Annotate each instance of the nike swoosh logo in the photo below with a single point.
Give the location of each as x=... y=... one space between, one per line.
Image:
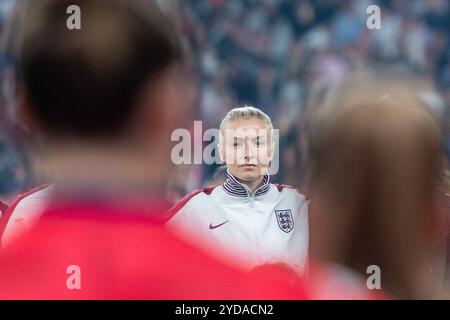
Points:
x=211 y=227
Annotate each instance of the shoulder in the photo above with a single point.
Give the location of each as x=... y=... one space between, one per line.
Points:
x=291 y=190
x=31 y=198
x=194 y=198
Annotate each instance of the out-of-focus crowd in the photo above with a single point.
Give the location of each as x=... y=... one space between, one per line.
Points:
x=14 y=168
x=283 y=55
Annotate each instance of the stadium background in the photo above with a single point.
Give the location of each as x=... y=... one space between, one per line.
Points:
x=279 y=55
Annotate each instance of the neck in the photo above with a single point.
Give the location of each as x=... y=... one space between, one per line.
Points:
x=105 y=169
x=253 y=185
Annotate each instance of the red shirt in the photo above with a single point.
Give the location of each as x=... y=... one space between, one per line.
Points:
x=121 y=254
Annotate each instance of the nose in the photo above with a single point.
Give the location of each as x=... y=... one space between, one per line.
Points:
x=249 y=152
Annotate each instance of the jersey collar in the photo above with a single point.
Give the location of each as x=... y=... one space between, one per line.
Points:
x=233 y=187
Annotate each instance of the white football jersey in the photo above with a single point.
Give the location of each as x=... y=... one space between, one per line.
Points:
x=25 y=211
x=230 y=221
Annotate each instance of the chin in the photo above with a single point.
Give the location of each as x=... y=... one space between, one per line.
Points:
x=250 y=176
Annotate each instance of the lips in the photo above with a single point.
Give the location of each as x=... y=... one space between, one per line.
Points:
x=248 y=166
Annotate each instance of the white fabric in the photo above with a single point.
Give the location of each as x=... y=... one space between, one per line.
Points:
x=26 y=213
x=252 y=236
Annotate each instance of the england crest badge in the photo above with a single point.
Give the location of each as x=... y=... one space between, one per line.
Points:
x=285 y=220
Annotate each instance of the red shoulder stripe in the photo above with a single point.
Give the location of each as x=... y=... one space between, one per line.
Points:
x=281 y=186
x=7 y=214
x=183 y=201
x=3 y=208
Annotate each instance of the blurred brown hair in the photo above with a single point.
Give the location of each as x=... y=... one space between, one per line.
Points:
x=375 y=159
x=84 y=83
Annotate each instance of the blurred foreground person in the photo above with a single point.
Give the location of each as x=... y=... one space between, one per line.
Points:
x=105 y=99
x=374 y=215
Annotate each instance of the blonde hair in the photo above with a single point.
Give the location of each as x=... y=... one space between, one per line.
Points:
x=245 y=112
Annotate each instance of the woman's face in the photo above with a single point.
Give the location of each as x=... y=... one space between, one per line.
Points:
x=247 y=148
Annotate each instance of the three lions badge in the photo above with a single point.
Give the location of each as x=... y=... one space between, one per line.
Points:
x=285 y=220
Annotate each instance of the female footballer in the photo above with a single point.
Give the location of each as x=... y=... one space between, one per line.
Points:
x=247 y=219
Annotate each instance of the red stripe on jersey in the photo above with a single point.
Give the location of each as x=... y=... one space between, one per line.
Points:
x=281 y=186
x=8 y=213
x=3 y=208
x=183 y=201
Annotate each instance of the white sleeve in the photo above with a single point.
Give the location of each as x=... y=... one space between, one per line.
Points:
x=26 y=213
x=186 y=224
